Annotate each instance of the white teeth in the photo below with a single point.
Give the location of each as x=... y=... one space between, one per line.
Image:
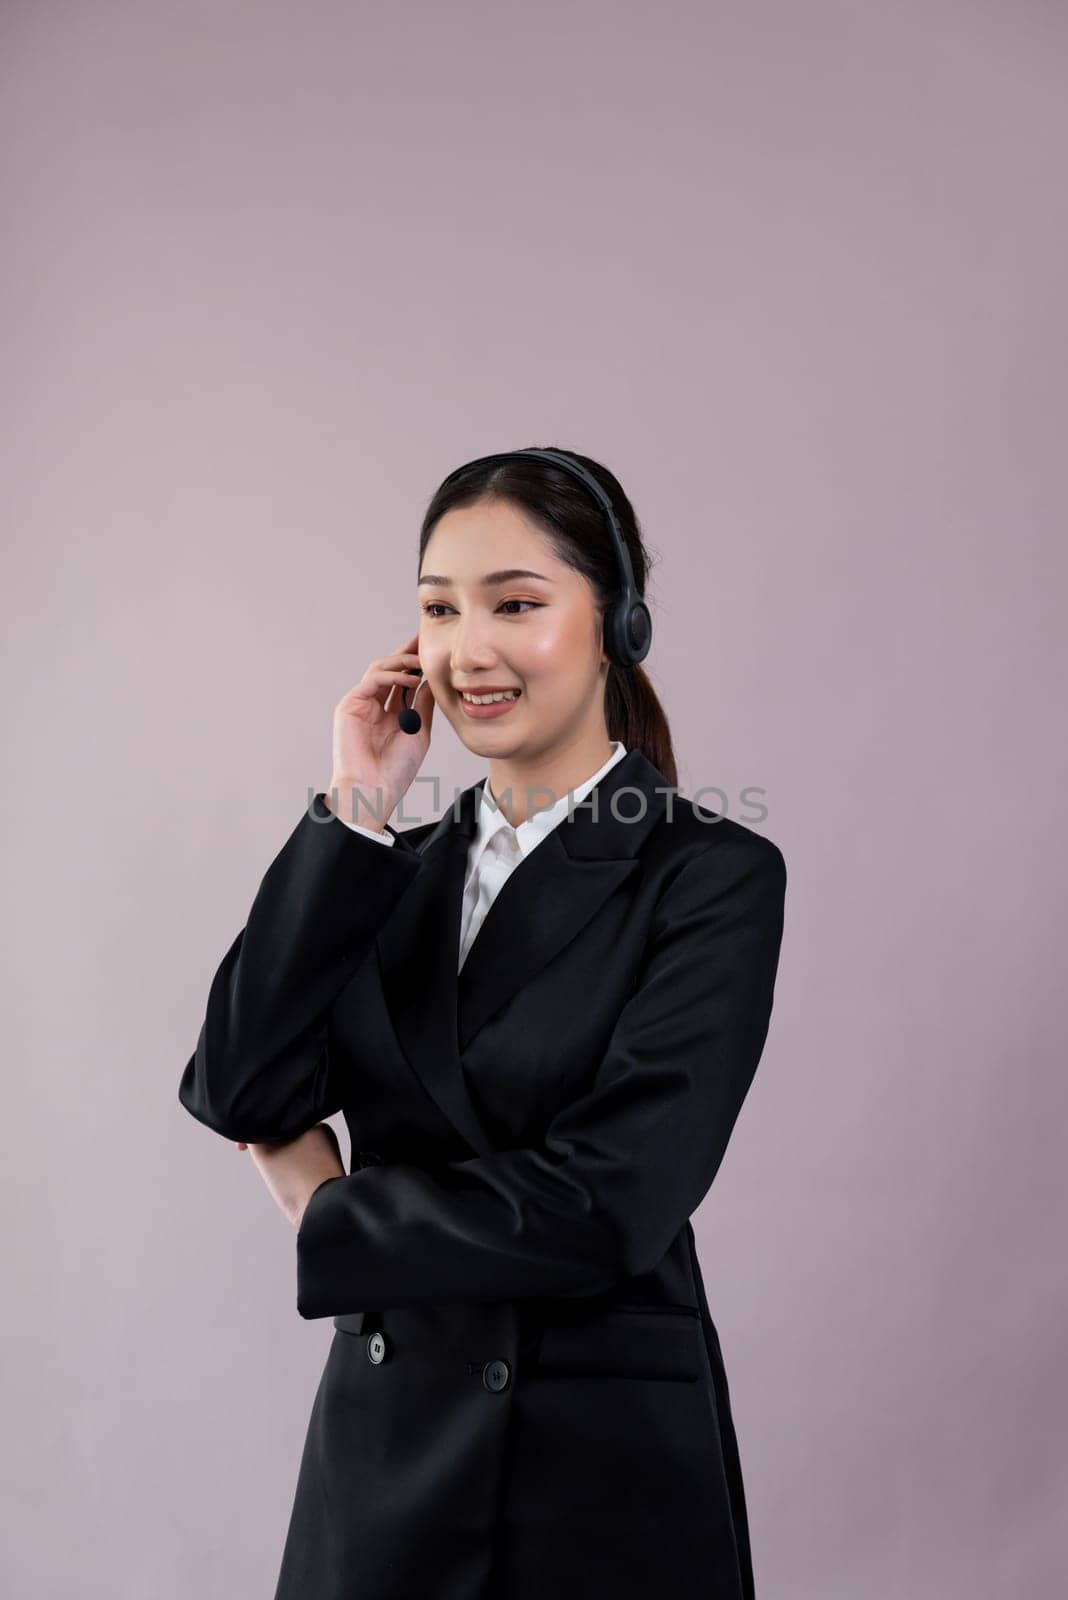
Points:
x=491 y=699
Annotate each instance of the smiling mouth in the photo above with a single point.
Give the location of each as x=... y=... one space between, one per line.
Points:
x=490 y=696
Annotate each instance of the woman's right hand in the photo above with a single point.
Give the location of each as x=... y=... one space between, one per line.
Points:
x=372 y=753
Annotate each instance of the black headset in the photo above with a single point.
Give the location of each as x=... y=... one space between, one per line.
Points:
x=628 y=625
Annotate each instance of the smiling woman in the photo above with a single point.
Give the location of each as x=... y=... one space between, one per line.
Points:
x=540 y=1015
x=535 y=629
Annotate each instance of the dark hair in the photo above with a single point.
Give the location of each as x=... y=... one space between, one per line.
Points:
x=575 y=525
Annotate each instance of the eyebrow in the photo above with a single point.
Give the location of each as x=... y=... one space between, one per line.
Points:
x=490 y=581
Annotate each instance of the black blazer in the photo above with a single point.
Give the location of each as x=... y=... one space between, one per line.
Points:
x=524 y=1396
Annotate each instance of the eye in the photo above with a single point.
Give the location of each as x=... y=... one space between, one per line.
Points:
x=433 y=607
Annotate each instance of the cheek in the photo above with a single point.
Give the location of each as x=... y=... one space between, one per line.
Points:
x=561 y=651
x=555 y=645
x=433 y=659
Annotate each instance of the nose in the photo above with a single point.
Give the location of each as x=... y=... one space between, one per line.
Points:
x=471 y=652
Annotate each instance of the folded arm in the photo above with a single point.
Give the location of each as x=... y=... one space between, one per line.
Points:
x=621 y=1169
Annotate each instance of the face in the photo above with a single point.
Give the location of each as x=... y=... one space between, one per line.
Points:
x=539 y=633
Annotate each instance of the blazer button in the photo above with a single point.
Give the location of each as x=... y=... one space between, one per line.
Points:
x=495 y=1375
x=376 y=1348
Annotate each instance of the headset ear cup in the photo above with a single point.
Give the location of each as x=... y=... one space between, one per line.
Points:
x=628 y=631
x=640 y=631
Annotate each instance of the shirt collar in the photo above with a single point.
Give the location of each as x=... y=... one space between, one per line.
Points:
x=491 y=819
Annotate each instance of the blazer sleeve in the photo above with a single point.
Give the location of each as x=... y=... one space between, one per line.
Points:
x=621 y=1169
x=261 y=1068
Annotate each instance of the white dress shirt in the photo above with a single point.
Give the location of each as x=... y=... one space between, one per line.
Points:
x=496 y=848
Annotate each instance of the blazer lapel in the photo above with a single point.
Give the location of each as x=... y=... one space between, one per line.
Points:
x=417 y=951
x=544 y=903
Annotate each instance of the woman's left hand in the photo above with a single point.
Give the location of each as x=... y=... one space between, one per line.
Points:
x=294 y=1168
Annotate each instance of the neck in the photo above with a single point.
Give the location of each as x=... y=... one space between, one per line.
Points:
x=538 y=781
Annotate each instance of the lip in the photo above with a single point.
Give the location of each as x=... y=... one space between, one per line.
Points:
x=484 y=688
x=484 y=713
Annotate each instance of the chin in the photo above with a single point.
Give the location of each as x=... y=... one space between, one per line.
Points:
x=490 y=743
x=482 y=744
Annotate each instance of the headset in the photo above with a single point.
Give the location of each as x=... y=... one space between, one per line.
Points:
x=628 y=624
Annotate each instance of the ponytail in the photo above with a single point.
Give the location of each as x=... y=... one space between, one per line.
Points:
x=635 y=717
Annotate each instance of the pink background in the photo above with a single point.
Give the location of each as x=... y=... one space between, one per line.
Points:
x=795 y=271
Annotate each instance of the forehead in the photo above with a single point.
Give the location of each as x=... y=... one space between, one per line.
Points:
x=472 y=541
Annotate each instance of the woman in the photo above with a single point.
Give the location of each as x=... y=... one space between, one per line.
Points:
x=524 y=1396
